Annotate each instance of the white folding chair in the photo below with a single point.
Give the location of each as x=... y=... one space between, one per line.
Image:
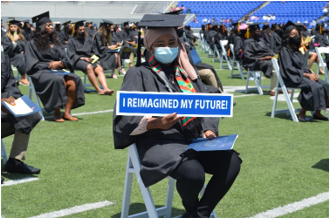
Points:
x=33 y=93
x=322 y=64
x=133 y=167
x=237 y=63
x=257 y=77
x=281 y=86
x=3 y=152
x=223 y=55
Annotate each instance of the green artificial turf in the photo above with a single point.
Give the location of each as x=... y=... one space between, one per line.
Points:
x=283 y=161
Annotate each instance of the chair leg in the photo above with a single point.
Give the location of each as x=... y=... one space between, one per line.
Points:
x=33 y=93
x=240 y=70
x=126 y=195
x=247 y=82
x=4 y=152
x=275 y=100
x=258 y=83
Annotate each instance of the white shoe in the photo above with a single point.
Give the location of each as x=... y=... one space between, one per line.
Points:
x=122 y=71
x=114 y=76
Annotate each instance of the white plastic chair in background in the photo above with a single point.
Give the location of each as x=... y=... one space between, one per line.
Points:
x=237 y=63
x=281 y=86
x=257 y=77
x=223 y=55
x=322 y=64
x=133 y=167
x=32 y=93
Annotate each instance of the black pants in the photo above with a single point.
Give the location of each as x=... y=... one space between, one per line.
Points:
x=190 y=176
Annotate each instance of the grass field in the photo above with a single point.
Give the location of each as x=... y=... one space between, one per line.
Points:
x=283 y=162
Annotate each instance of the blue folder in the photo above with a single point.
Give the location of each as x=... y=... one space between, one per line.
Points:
x=195 y=57
x=29 y=102
x=220 y=143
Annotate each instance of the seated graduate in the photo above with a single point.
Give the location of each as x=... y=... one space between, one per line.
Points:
x=272 y=39
x=45 y=61
x=21 y=127
x=90 y=29
x=102 y=41
x=238 y=41
x=14 y=45
x=57 y=28
x=117 y=43
x=314 y=95
x=66 y=33
x=129 y=42
x=80 y=49
x=162 y=141
x=27 y=30
x=257 y=55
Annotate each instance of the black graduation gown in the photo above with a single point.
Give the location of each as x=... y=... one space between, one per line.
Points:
x=16 y=57
x=24 y=124
x=127 y=36
x=292 y=67
x=160 y=150
x=64 y=37
x=77 y=48
x=107 y=59
x=319 y=38
x=91 y=32
x=252 y=51
x=273 y=40
x=27 y=33
x=237 y=47
x=49 y=86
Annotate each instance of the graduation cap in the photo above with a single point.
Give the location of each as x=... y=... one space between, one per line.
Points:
x=319 y=27
x=66 y=22
x=289 y=26
x=162 y=21
x=41 y=19
x=57 y=23
x=26 y=21
x=78 y=24
x=266 y=25
x=126 y=23
x=174 y=12
x=14 y=22
x=106 y=23
x=253 y=26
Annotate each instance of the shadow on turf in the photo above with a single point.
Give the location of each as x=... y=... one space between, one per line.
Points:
x=322 y=165
x=13 y=176
x=140 y=207
x=284 y=116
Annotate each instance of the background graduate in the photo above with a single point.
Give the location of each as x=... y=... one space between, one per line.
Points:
x=80 y=49
x=66 y=33
x=45 y=55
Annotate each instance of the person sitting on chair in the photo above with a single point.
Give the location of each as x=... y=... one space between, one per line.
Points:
x=314 y=95
x=80 y=49
x=21 y=127
x=162 y=141
x=45 y=61
x=257 y=56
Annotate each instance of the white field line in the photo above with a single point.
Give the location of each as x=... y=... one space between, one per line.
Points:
x=277 y=212
x=88 y=113
x=74 y=210
x=19 y=181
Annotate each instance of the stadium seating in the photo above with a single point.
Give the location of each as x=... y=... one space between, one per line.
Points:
x=289 y=10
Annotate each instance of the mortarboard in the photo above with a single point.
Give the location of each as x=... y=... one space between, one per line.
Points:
x=253 y=26
x=66 y=22
x=174 y=12
x=106 y=23
x=289 y=26
x=266 y=25
x=78 y=24
x=41 y=19
x=57 y=23
x=14 y=22
x=26 y=21
x=126 y=23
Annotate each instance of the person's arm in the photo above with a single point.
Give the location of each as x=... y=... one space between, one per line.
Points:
x=34 y=60
x=287 y=70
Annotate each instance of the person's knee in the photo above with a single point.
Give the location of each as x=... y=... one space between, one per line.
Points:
x=89 y=68
x=235 y=164
x=191 y=171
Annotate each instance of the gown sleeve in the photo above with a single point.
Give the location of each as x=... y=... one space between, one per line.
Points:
x=34 y=59
x=71 y=52
x=287 y=70
x=123 y=126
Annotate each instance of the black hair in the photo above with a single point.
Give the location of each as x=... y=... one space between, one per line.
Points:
x=285 y=39
x=41 y=38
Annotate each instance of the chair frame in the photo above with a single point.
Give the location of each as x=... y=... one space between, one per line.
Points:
x=257 y=75
x=4 y=152
x=234 y=61
x=320 y=51
x=133 y=168
x=281 y=86
x=33 y=93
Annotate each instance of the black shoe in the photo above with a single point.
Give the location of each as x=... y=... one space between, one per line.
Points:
x=2 y=179
x=15 y=166
x=320 y=118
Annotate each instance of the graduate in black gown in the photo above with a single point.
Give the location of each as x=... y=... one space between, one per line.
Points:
x=162 y=141
x=238 y=41
x=66 y=33
x=320 y=41
x=80 y=49
x=45 y=61
x=314 y=95
x=14 y=45
x=57 y=28
x=90 y=29
x=21 y=127
x=116 y=42
x=102 y=40
x=129 y=42
x=272 y=39
x=27 y=30
x=257 y=55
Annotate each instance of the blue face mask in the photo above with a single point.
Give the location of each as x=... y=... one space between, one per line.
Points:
x=166 y=55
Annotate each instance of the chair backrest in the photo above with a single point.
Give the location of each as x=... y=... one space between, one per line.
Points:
x=277 y=71
x=222 y=45
x=232 y=51
x=320 y=51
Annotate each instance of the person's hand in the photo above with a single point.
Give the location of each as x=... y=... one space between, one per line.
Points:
x=118 y=44
x=16 y=38
x=313 y=77
x=87 y=59
x=54 y=65
x=265 y=58
x=209 y=134
x=112 y=47
x=22 y=52
x=164 y=122
x=133 y=43
x=10 y=100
